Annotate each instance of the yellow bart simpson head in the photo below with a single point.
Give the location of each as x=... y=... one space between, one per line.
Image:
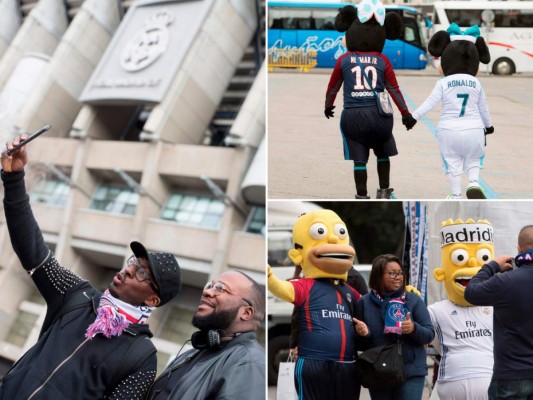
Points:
x=466 y=247
x=321 y=245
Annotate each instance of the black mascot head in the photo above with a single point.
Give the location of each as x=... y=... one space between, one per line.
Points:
x=460 y=52
x=368 y=26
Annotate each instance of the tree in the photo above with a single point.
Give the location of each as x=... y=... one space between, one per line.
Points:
x=375 y=227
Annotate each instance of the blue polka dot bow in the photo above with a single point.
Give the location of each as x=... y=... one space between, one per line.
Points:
x=368 y=8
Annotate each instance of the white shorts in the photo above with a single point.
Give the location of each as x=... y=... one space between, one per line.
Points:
x=461 y=150
x=464 y=389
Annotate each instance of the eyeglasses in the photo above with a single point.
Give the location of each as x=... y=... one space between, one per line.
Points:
x=141 y=274
x=220 y=287
x=395 y=275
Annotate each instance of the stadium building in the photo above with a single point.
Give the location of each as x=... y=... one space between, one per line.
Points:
x=157 y=110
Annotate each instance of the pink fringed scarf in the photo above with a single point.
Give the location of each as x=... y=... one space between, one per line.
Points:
x=115 y=315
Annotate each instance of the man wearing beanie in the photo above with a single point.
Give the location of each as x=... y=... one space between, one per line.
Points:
x=92 y=345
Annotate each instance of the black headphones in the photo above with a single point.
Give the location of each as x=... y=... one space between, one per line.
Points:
x=209 y=339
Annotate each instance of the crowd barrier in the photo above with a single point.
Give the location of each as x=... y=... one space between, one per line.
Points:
x=302 y=59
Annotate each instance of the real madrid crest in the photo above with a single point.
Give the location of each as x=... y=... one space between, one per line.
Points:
x=148 y=45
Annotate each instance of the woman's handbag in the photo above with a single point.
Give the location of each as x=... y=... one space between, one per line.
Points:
x=382 y=98
x=381 y=367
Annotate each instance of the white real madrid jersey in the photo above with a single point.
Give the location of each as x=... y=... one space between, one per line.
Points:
x=464 y=105
x=466 y=338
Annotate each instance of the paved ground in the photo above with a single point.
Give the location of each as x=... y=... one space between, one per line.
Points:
x=305 y=159
x=364 y=394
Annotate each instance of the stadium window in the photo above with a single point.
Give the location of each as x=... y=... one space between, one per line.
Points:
x=195 y=210
x=256 y=221
x=114 y=199
x=50 y=191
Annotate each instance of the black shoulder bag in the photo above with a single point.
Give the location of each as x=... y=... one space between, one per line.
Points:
x=381 y=367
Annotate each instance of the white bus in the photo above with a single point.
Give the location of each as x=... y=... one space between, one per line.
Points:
x=506 y=26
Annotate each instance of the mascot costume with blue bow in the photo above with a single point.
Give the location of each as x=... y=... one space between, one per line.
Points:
x=365 y=74
x=464 y=119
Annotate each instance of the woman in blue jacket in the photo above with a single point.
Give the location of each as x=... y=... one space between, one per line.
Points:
x=388 y=313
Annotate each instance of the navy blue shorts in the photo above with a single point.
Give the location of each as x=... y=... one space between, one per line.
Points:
x=363 y=129
x=317 y=379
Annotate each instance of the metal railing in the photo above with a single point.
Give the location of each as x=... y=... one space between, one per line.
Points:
x=302 y=59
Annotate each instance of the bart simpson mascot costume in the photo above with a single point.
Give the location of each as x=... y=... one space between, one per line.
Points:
x=326 y=348
x=464 y=331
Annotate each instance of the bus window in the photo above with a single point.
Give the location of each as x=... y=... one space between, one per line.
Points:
x=303 y=23
x=325 y=24
x=279 y=243
x=436 y=19
x=409 y=34
x=513 y=19
x=464 y=18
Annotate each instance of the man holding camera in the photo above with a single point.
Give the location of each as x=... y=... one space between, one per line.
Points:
x=509 y=292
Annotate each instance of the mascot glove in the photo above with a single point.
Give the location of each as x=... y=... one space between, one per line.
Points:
x=489 y=130
x=328 y=112
x=412 y=289
x=409 y=121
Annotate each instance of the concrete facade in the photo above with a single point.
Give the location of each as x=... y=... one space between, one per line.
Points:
x=155 y=149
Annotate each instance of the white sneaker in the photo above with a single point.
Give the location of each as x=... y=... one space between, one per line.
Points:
x=454 y=197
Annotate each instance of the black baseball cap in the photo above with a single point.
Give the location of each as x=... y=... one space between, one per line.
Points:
x=165 y=269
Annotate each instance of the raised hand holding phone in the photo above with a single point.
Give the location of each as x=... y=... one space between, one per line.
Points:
x=14 y=158
x=27 y=140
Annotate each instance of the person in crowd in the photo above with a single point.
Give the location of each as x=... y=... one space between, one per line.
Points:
x=508 y=291
x=226 y=361
x=389 y=313
x=465 y=332
x=92 y=345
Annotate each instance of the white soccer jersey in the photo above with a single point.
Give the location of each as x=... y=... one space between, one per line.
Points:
x=464 y=105
x=466 y=336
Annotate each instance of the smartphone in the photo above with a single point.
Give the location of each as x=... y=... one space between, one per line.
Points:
x=26 y=141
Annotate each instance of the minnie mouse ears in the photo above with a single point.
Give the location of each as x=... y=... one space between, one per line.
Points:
x=440 y=40
x=368 y=10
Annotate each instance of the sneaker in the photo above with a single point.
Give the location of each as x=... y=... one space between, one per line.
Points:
x=454 y=197
x=361 y=197
x=475 y=192
x=385 y=194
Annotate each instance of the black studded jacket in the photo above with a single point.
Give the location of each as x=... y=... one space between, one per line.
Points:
x=63 y=364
